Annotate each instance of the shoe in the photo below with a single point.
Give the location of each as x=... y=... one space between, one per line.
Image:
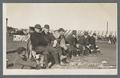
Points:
x=56 y=66
x=38 y=67
x=63 y=64
x=63 y=57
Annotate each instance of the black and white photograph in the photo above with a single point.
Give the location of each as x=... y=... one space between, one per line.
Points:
x=60 y=39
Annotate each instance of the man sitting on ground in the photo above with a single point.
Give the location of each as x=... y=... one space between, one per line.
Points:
x=21 y=61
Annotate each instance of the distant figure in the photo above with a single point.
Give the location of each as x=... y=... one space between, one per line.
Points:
x=110 y=39
x=85 y=41
x=93 y=47
x=72 y=41
x=93 y=40
x=114 y=39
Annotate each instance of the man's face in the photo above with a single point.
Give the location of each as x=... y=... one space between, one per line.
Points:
x=62 y=32
x=46 y=30
x=31 y=31
x=37 y=30
x=95 y=36
x=85 y=36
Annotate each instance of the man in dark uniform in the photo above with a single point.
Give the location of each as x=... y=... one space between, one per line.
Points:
x=93 y=47
x=37 y=38
x=53 y=54
x=72 y=40
x=39 y=43
x=93 y=40
x=60 y=45
x=80 y=44
x=85 y=41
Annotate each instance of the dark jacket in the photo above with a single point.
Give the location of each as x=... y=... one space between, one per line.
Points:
x=38 y=39
x=92 y=40
x=48 y=37
x=84 y=41
x=71 y=40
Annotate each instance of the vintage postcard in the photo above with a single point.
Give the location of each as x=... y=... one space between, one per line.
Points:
x=60 y=39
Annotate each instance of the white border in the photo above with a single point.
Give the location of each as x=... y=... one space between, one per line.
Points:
x=51 y=71
x=62 y=72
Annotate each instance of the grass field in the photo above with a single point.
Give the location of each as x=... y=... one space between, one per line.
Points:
x=108 y=54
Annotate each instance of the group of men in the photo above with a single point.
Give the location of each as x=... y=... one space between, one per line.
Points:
x=55 y=49
x=46 y=44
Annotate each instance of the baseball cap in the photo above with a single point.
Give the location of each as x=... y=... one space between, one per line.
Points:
x=46 y=26
x=38 y=26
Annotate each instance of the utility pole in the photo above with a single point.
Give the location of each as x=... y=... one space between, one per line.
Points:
x=107 y=28
x=6 y=22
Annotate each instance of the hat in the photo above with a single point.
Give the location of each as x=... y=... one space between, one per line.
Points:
x=94 y=34
x=31 y=28
x=74 y=32
x=61 y=29
x=46 y=26
x=38 y=26
x=85 y=33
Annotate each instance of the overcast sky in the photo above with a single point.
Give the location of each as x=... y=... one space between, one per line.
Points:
x=80 y=16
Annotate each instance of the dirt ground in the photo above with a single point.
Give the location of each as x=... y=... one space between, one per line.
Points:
x=107 y=58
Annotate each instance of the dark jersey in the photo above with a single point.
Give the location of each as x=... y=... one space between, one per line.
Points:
x=38 y=39
x=48 y=37
x=84 y=41
x=92 y=40
x=71 y=40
